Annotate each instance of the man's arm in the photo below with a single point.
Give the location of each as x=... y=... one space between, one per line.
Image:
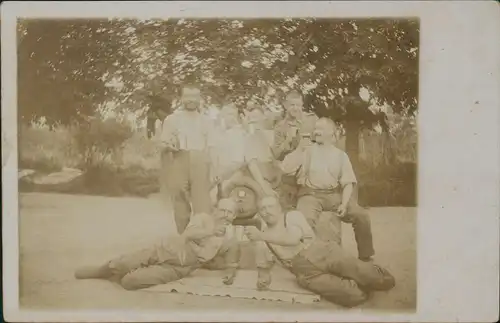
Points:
x=198 y=228
x=251 y=158
x=168 y=129
x=292 y=236
x=292 y=162
x=168 y=136
x=281 y=145
x=347 y=179
x=254 y=169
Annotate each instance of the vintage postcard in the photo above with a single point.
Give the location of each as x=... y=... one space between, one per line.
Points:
x=250 y=161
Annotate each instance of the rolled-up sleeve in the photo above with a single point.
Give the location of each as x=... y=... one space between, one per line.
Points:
x=347 y=175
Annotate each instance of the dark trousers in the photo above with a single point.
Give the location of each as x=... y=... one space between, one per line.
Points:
x=312 y=203
x=164 y=263
x=187 y=180
x=326 y=269
x=152 y=266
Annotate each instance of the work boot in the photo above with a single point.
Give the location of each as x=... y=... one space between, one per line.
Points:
x=384 y=282
x=93 y=272
x=263 y=278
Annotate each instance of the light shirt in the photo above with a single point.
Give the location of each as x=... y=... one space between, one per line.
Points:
x=207 y=248
x=259 y=146
x=229 y=149
x=294 y=222
x=192 y=130
x=320 y=167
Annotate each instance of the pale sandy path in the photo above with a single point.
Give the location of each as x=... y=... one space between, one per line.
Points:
x=61 y=232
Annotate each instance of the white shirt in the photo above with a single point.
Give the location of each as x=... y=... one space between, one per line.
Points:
x=192 y=130
x=320 y=167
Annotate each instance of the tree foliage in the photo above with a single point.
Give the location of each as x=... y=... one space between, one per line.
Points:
x=69 y=68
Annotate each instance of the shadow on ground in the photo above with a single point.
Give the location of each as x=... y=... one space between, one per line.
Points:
x=61 y=232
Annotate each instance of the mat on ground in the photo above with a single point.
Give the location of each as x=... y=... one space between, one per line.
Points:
x=205 y=282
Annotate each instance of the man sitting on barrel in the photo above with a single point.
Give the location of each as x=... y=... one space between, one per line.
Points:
x=326 y=179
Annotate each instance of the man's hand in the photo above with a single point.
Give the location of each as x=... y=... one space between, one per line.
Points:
x=342 y=210
x=253 y=234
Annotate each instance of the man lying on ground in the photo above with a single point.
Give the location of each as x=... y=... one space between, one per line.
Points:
x=322 y=267
x=205 y=239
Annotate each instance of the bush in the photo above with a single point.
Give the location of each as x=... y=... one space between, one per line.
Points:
x=100 y=142
x=47 y=150
x=388 y=184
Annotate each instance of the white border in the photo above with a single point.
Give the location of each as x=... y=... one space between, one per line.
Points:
x=458 y=166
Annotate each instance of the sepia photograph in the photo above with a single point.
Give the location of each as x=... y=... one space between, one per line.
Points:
x=215 y=163
x=237 y=126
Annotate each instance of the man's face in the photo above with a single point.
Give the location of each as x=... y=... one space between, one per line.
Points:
x=324 y=132
x=294 y=106
x=270 y=210
x=226 y=211
x=191 y=98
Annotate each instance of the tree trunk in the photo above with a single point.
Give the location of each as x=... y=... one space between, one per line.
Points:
x=352 y=128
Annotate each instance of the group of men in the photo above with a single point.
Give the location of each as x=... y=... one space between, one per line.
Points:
x=299 y=153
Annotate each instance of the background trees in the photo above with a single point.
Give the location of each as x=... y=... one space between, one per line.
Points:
x=69 y=69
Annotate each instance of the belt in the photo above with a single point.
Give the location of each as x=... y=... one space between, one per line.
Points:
x=303 y=190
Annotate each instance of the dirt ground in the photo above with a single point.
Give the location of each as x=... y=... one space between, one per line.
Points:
x=61 y=232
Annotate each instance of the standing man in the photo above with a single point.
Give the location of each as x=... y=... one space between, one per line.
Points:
x=228 y=155
x=259 y=156
x=229 y=151
x=296 y=126
x=325 y=178
x=319 y=266
x=187 y=136
x=208 y=238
